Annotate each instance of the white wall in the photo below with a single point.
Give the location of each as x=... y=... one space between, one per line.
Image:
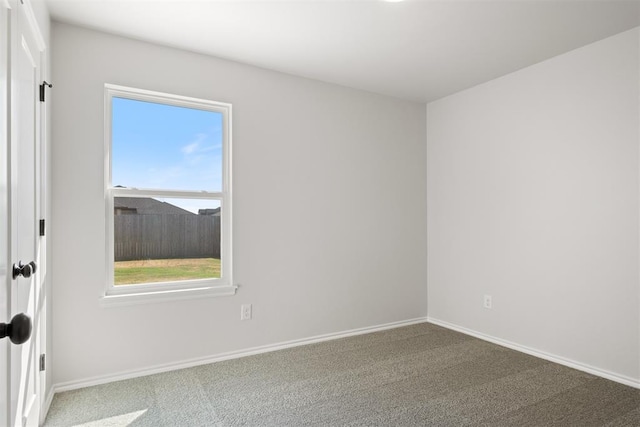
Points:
x=532 y=184
x=329 y=209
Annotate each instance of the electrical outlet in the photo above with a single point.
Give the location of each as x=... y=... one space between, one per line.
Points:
x=245 y=312
x=487 y=301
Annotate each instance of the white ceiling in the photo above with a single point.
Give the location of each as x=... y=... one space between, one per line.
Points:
x=417 y=49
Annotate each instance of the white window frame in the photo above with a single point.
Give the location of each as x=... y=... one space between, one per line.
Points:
x=127 y=294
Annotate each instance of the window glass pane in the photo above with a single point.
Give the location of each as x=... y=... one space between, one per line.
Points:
x=160 y=146
x=165 y=239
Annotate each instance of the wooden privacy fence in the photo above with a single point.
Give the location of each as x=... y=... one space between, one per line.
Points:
x=157 y=236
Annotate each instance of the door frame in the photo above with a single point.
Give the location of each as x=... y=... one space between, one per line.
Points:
x=5 y=297
x=9 y=15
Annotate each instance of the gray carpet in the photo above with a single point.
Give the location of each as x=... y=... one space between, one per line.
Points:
x=420 y=375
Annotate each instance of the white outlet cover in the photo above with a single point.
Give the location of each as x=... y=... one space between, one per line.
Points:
x=245 y=312
x=487 y=301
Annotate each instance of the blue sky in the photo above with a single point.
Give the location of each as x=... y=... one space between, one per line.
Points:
x=166 y=147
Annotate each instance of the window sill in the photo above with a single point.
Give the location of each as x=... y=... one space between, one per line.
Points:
x=123 y=299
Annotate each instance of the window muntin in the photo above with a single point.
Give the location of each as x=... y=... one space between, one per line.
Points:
x=168 y=195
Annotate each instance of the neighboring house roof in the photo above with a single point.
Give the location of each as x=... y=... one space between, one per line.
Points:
x=209 y=211
x=148 y=206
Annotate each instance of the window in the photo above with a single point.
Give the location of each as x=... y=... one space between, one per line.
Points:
x=168 y=195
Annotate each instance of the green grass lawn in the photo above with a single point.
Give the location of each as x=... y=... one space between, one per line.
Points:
x=165 y=270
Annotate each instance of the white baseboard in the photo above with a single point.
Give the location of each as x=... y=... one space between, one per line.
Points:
x=88 y=382
x=46 y=405
x=541 y=354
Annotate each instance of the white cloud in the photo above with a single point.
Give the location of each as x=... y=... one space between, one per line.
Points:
x=193 y=146
x=188 y=149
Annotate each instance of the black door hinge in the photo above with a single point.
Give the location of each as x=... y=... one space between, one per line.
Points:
x=42 y=227
x=43 y=362
x=42 y=88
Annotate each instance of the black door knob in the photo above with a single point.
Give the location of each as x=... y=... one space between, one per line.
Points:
x=18 y=330
x=24 y=270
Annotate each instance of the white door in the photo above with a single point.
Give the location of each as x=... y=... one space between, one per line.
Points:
x=24 y=205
